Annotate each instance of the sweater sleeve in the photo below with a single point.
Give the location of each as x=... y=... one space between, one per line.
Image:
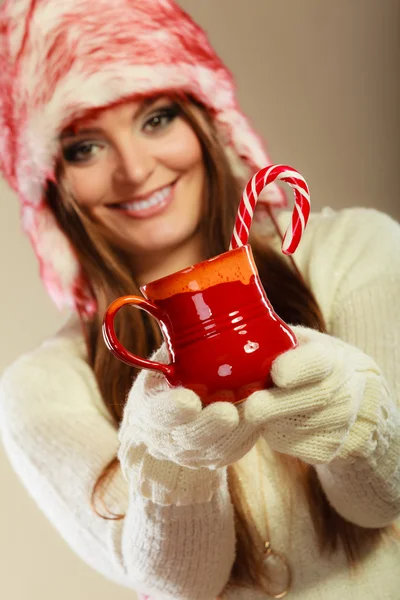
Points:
x=365 y=312
x=59 y=439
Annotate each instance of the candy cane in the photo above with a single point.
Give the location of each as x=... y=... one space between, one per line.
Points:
x=249 y=199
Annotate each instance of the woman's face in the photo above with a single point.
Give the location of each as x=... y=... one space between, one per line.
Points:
x=138 y=169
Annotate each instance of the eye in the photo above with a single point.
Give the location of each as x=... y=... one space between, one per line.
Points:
x=81 y=152
x=160 y=119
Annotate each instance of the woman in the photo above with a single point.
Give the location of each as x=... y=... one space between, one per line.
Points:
x=122 y=137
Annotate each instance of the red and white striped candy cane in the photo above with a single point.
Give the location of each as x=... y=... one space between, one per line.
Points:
x=249 y=199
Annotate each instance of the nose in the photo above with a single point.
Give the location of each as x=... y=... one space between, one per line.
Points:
x=135 y=163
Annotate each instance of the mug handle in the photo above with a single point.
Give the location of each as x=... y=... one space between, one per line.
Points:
x=115 y=346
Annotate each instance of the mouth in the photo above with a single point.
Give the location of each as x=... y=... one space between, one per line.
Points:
x=149 y=206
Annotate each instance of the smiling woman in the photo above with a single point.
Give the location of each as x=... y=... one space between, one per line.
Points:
x=129 y=159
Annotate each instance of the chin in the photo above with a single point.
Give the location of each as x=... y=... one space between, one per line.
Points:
x=149 y=246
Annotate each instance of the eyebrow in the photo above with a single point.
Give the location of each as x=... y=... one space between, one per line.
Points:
x=69 y=132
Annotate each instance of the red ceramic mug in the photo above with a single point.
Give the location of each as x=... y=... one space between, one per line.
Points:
x=220 y=329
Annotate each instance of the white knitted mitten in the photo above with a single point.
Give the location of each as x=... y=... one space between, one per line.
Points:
x=172 y=449
x=329 y=401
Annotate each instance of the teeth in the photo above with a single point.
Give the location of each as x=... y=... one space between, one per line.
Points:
x=156 y=198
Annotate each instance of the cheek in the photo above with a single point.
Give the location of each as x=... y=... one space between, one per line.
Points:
x=89 y=186
x=182 y=150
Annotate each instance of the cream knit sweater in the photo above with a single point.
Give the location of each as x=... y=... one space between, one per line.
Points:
x=59 y=437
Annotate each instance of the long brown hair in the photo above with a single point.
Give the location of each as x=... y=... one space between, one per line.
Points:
x=109 y=273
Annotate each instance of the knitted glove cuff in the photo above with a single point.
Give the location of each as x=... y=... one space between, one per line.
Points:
x=165 y=482
x=377 y=426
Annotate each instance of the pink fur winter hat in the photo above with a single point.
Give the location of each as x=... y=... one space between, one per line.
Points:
x=61 y=58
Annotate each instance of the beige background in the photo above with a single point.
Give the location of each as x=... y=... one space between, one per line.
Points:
x=319 y=80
